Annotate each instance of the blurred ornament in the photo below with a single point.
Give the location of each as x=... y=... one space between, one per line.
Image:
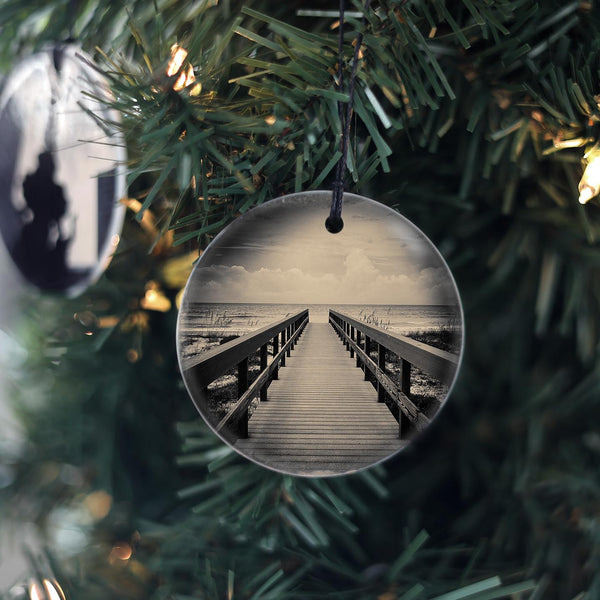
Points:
x=61 y=170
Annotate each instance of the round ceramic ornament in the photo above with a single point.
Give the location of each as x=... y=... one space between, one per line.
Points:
x=317 y=354
x=61 y=170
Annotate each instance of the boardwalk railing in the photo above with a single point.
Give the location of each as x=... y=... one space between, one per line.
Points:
x=361 y=339
x=282 y=335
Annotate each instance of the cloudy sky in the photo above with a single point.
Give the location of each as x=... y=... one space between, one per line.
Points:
x=282 y=253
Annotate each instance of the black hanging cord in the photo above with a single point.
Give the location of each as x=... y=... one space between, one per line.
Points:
x=334 y=222
x=73 y=8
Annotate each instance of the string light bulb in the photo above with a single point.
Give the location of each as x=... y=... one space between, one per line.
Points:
x=186 y=76
x=589 y=186
x=51 y=591
x=154 y=299
x=35 y=593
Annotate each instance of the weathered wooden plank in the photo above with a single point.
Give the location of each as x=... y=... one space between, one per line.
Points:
x=313 y=427
x=300 y=443
x=337 y=435
x=304 y=413
x=307 y=452
x=303 y=466
x=321 y=417
x=406 y=406
x=238 y=411
x=329 y=419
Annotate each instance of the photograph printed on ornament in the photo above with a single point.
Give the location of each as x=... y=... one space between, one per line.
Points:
x=317 y=354
x=62 y=172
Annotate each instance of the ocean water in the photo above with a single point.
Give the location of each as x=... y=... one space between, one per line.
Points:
x=202 y=324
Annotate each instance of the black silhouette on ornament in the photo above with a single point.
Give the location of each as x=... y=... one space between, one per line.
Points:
x=41 y=249
x=60 y=218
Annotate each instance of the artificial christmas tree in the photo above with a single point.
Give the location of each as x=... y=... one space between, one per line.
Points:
x=470 y=117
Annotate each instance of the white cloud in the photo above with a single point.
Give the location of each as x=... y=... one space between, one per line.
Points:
x=358 y=282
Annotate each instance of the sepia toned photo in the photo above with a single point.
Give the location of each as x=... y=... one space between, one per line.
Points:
x=314 y=353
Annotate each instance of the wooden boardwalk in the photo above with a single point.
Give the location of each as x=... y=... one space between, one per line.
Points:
x=321 y=416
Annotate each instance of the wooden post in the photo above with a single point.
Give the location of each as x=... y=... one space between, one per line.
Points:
x=368 y=353
x=242 y=426
x=242 y=377
x=352 y=338
x=275 y=351
x=282 y=345
x=263 y=366
x=381 y=365
x=405 y=377
x=403 y=421
x=358 y=344
x=289 y=335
